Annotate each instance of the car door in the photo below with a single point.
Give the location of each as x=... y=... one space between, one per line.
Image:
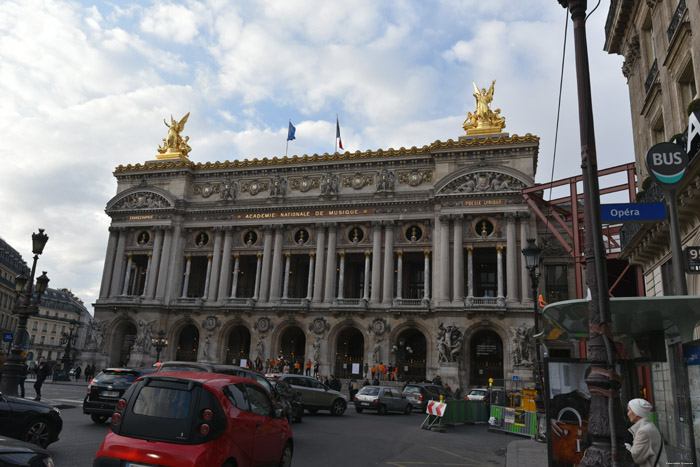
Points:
x=300 y=384
x=320 y=396
x=397 y=400
x=269 y=437
x=243 y=428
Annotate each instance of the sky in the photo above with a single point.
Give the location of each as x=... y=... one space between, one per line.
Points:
x=85 y=86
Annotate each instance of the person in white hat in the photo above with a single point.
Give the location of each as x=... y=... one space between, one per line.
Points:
x=648 y=448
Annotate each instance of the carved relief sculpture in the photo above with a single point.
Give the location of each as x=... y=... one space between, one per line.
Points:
x=385 y=180
x=523 y=350
x=278 y=187
x=378 y=327
x=319 y=326
x=228 y=190
x=144 y=334
x=96 y=338
x=377 y=350
x=142 y=200
x=316 y=348
x=449 y=343
x=329 y=185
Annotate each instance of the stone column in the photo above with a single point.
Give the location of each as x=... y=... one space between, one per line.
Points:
x=426 y=276
x=329 y=294
x=524 y=273
x=388 y=281
x=444 y=259
x=225 y=265
x=320 y=258
x=215 y=266
x=153 y=264
x=125 y=289
x=175 y=264
x=109 y=262
x=207 y=281
x=148 y=272
x=236 y=266
x=341 y=278
x=511 y=259
x=119 y=260
x=266 y=265
x=499 y=269
x=163 y=264
x=275 y=284
x=186 y=282
x=458 y=261
x=310 y=282
x=376 y=265
x=366 y=283
x=470 y=270
x=399 y=275
x=287 y=264
x=258 y=270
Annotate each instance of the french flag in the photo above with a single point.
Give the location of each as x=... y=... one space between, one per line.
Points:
x=337 y=133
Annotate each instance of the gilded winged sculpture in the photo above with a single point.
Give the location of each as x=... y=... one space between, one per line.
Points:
x=484 y=120
x=174 y=143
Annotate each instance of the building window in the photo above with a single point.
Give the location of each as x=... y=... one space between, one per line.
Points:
x=686 y=87
x=49 y=357
x=52 y=340
x=53 y=329
x=556 y=282
x=32 y=338
x=35 y=326
x=649 y=48
x=43 y=339
x=657 y=131
x=45 y=327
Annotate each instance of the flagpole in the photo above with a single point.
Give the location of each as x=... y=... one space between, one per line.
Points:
x=286 y=149
x=336 y=134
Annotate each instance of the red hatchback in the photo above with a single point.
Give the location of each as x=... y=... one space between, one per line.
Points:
x=196 y=419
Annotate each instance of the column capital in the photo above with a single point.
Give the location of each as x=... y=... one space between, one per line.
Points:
x=129 y=256
x=287 y=255
x=445 y=218
x=456 y=217
x=510 y=217
x=321 y=226
x=278 y=226
x=368 y=253
x=426 y=254
x=259 y=255
x=188 y=258
x=268 y=228
x=399 y=253
x=470 y=250
x=388 y=223
x=209 y=258
x=312 y=254
x=499 y=249
x=150 y=255
x=376 y=225
x=237 y=256
x=218 y=229
x=524 y=215
x=332 y=226
x=341 y=254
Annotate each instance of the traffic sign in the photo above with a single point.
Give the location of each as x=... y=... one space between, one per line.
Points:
x=692 y=259
x=515 y=377
x=667 y=163
x=436 y=408
x=8 y=337
x=633 y=212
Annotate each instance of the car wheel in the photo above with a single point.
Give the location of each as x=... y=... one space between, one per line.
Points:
x=382 y=410
x=338 y=407
x=358 y=410
x=312 y=411
x=409 y=410
x=38 y=432
x=98 y=418
x=286 y=459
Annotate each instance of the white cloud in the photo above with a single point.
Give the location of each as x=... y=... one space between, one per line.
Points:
x=170 y=22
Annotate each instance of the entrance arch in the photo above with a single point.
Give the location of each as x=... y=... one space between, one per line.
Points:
x=188 y=344
x=238 y=345
x=292 y=345
x=409 y=353
x=122 y=344
x=350 y=348
x=486 y=351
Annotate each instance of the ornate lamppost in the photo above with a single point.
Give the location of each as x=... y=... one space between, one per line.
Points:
x=67 y=339
x=159 y=343
x=27 y=304
x=533 y=263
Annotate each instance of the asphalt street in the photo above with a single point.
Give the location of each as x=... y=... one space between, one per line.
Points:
x=353 y=439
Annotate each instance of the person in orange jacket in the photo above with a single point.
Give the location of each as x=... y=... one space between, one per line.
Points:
x=297 y=367
x=374 y=371
x=382 y=373
x=308 y=368
x=396 y=373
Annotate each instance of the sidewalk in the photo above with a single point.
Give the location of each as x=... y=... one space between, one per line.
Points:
x=72 y=382
x=526 y=453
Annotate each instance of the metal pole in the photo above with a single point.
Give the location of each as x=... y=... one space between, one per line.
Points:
x=676 y=248
x=605 y=419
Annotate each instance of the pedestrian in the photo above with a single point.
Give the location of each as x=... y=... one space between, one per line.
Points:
x=335 y=383
x=3 y=359
x=316 y=369
x=87 y=372
x=365 y=370
x=365 y=383
x=78 y=371
x=23 y=377
x=297 y=368
x=307 y=368
x=375 y=382
x=374 y=371
x=353 y=388
x=286 y=368
x=385 y=371
x=380 y=369
x=42 y=372
x=647 y=448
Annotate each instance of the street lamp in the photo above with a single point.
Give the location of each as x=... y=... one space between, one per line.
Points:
x=27 y=304
x=67 y=340
x=159 y=343
x=533 y=261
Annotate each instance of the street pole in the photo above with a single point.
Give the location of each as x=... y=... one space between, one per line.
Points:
x=606 y=418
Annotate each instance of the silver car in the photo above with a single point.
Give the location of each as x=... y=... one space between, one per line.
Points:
x=315 y=395
x=383 y=399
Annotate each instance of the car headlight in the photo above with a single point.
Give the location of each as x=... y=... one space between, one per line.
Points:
x=48 y=462
x=55 y=409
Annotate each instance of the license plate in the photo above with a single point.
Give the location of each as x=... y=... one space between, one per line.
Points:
x=131 y=464
x=364 y=403
x=112 y=394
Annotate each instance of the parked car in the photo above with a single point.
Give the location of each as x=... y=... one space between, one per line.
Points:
x=383 y=399
x=314 y=394
x=19 y=453
x=285 y=400
x=420 y=394
x=477 y=395
x=194 y=418
x=289 y=396
x=30 y=421
x=106 y=388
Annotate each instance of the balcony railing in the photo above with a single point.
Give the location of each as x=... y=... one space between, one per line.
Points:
x=651 y=77
x=477 y=301
x=676 y=20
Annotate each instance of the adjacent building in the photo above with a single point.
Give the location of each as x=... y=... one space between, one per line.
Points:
x=11 y=265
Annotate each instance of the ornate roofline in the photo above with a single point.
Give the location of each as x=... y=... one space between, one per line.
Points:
x=316 y=158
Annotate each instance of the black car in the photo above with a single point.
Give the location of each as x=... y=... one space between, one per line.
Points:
x=106 y=388
x=31 y=421
x=287 y=402
x=420 y=393
x=18 y=453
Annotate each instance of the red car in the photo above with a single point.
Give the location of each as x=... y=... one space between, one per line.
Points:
x=185 y=418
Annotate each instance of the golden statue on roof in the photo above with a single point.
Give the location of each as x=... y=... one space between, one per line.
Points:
x=484 y=121
x=174 y=146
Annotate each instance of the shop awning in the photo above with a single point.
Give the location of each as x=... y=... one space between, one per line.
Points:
x=632 y=317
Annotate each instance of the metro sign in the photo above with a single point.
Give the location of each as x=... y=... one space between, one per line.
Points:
x=667 y=163
x=435 y=408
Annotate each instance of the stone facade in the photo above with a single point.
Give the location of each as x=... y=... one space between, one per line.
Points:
x=408 y=256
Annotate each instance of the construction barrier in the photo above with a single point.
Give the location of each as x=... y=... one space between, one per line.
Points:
x=510 y=420
x=458 y=411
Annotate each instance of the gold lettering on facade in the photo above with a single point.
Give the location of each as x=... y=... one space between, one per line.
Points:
x=485 y=202
x=323 y=213
x=140 y=218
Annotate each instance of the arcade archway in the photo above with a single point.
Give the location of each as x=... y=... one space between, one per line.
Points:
x=292 y=345
x=486 y=352
x=238 y=346
x=188 y=344
x=350 y=349
x=122 y=344
x=409 y=353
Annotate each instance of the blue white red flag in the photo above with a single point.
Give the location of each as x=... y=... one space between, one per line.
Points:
x=337 y=133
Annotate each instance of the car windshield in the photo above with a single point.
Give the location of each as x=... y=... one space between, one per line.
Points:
x=477 y=392
x=369 y=391
x=412 y=389
x=116 y=377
